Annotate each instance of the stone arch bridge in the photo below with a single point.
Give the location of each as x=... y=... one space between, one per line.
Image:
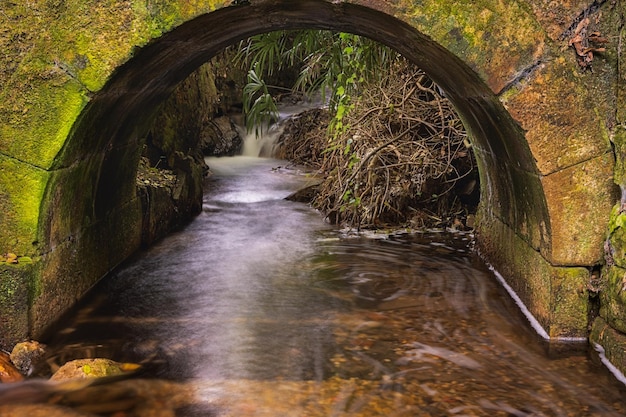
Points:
x=539 y=85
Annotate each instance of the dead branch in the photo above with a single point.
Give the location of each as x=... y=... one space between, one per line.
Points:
x=399 y=160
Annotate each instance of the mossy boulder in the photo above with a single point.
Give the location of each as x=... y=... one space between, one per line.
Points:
x=91 y=368
x=27 y=355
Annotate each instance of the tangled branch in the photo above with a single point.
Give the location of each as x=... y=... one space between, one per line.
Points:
x=402 y=153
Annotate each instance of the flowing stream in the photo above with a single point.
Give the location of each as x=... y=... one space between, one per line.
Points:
x=265 y=310
x=260 y=308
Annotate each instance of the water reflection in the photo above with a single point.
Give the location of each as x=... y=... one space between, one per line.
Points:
x=264 y=310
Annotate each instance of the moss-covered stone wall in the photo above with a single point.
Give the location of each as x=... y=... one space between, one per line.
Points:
x=56 y=55
x=82 y=81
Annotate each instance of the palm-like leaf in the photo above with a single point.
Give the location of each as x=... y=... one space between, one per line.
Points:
x=327 y=61
x=259 y=106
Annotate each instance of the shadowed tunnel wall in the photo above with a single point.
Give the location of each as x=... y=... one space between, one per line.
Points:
x=544 y=205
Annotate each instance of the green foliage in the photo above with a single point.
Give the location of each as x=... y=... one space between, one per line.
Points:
x=333 y=64
x=258 y=103
x=336 y=65
x=394 y=147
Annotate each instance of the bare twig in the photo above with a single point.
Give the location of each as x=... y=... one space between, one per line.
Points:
x=400 y=159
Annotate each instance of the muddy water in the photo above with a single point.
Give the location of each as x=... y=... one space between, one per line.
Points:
x=259 y=308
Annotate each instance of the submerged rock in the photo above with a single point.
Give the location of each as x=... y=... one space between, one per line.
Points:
x=39 y=410
x=91 y=368
x=220 y=137
x=100 y=397
x=26 y=355
x=304 y=195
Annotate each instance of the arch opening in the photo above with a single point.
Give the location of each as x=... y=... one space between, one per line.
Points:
x=123 y=109
x=386 y=146
x=94 y=187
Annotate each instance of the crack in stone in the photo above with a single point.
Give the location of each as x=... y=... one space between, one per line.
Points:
x=581 y=162
x=519 y=77
x=67 y=70
x=22 y=161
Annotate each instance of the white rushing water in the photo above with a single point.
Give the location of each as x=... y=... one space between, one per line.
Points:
x=264 y=144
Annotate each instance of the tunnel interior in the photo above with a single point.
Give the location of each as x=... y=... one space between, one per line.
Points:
x=91 y=199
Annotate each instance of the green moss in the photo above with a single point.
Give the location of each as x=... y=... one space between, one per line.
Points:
x=468 y=30
x=15 y=300
x=90 y=368
x=617 y=220
x=613 y=297
x=21 y=190
x=612 y=341
x=161 y=17
x=41 y=133
x=570 y=298
x=619 y=142
x=617 y=235
x=54 y=56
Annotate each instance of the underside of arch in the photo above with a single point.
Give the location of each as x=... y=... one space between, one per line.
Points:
x=88 y=220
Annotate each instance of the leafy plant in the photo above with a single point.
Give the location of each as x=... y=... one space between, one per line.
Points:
x=333 y=64
x=258 y=103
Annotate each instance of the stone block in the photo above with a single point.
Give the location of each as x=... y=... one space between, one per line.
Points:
x=564 y=115
x=615 y=244
x=21 y=189
x=619 y=142
x=556 y=296
x=497 y=39
x=159 y=213
x=15 y=290
x=612 y=341
x=556 y=16
x=76 y=264
x=579 y=202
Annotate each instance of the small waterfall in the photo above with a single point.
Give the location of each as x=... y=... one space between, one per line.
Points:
x=262 y=145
